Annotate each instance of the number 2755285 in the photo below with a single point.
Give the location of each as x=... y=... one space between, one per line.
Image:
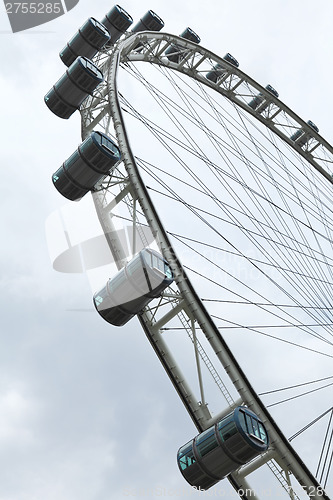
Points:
x=33 y=8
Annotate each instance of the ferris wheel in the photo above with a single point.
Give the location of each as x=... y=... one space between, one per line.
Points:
x=229 y=197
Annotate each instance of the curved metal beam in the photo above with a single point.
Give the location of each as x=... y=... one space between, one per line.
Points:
x=196 y=63
x=287 y=455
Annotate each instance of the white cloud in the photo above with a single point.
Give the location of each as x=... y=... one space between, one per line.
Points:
x=17 y=413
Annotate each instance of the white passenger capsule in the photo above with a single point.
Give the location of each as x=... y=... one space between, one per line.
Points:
x=133 y=287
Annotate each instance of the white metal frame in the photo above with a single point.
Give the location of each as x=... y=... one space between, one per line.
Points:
x=238 y=87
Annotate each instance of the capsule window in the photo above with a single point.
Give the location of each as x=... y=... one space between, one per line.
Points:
x=167 y=271
x=107 y=145
x=255 y=428
x=186 y=457
x=98 y=300
x=262 y=432
x=224 y=421
x=157 y=263
x=160 y=264
x=92 y=68
x=118 y=281
x=206 y=442
x=228 y=430
x=242 y=421
x=71 y=160
x=249 y=424
x=122 y=11
x=154 y=261
x=101 y=296
x=134 y=265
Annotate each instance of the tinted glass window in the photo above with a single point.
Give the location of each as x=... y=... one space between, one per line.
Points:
x=255 y=427
x=101 y=296
x=262 y=433
x=242 y=421
x=92 y=68
x=134 y=265
x=185 y=456
x=107 y=144
x=155 y=260
x=167 y=271
x=74 y=157
x=158 y=263
x=123 y=12
x=228 y=430
x=249 y=423
x=116 y=282
x=206 y=442
x=98 y=299
x=226 y=419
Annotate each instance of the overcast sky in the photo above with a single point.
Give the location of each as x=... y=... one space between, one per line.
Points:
x=86 y=411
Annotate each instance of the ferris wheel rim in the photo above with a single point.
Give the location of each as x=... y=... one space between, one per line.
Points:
x=131 y=41
x=115 y=108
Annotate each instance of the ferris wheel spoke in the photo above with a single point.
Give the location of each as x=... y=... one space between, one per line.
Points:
x=250 y=183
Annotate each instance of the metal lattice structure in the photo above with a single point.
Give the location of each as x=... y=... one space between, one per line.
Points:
x=181 y=303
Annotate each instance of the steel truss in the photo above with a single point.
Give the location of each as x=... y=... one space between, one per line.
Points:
x=181 y=301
